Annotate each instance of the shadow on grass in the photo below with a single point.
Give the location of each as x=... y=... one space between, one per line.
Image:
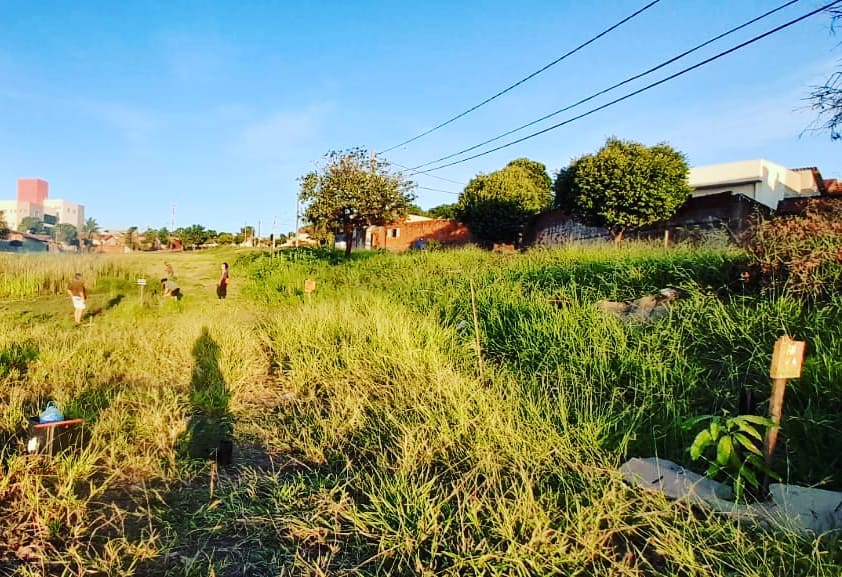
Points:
x=209 y=432
x=110 y=304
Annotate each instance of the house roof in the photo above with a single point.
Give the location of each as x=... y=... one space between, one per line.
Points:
x=722 y=183
x=817 y=177
x=29 y=235
x=833 y=187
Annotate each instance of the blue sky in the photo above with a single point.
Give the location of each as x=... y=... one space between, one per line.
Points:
x=217 y=107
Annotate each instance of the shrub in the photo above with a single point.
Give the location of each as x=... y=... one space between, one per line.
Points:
x=802 y=253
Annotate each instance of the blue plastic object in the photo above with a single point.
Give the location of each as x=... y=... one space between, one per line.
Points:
x=50 y=414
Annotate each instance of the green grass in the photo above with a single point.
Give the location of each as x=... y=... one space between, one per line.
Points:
x=372 y=438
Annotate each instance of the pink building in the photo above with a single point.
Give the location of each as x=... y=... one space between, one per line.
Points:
x=32 y=190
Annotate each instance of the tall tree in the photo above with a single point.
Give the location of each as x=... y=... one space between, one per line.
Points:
x=497 y=206
x=624 y=185
x=193 y=235
x=443 y=211
x=4 y=226
x=826 y=100
x=353 y=191
x=90 y=228
x=32 y=225
x=130 y=240
x=65 y=233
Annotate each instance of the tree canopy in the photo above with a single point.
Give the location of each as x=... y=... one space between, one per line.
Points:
x=497 y=206
x=443 y=211
x=4 y=226
x=624 y=185
x=353 y=191
x=32 y=225
x=194 y=235
x=65 y=233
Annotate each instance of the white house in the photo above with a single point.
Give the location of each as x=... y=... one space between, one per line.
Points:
x=760 y=180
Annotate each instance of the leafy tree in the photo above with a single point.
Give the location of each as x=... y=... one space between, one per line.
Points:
x=826 y=100
x=164 y=236
x=497 y=206
x=352 y=192
x=65 y=233
x=624 y=185
x=150 y=239
x=4 y=226
x=130 y=238
x=225 y=238
x=443 y=211
x=32 y=225
x=416 y=210
x=89 y=229
x=193 y=235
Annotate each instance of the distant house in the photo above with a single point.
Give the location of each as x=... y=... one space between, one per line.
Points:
x=415 y=231
x=17 y=241
x=725 y=196
x=759 y=180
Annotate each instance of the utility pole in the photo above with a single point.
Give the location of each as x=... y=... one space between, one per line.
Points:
x=172 y=221
x=297 y=203
x=258 y=232
x=274 y=222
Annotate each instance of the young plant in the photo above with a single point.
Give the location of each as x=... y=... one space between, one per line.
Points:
x=735 y=444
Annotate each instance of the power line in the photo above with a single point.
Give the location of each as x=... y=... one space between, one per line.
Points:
x=437 y=190
x=521 y=81
x=610 y=88
x=636 y=92
x=450 y=180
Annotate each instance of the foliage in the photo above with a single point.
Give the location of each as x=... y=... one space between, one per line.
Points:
x=89 y=229
x=130 y=238
x=352 y=192
x=32 y=225
x=736 y=446
x=15 y=359
x=225 y=238
x=193 y=235
x=447 y=211
x=624 y=185
x=4 y=226
x=802 y=253
x=826 y=100
x=366 y=440
x=496 y=206
x=65 y=233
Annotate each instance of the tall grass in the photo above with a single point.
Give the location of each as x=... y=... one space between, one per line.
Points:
x=29 y=275
x=373 y=438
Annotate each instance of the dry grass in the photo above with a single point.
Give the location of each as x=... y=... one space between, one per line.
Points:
x=368 y=441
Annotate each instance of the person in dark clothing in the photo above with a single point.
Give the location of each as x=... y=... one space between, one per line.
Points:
x=170 y=289
x=222 y=285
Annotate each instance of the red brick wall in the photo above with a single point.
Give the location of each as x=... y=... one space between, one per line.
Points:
x=32 y=190
x=447 y=232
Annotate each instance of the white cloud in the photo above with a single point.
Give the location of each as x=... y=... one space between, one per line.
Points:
x=284 y=135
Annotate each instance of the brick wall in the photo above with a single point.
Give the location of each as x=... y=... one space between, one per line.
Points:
x=447 y=232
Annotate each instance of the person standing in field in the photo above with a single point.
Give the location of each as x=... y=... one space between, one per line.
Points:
x=78 y=295
x=222 y=285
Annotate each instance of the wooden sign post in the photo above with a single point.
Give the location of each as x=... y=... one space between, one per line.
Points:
x=141 y=282
x=309 y=287
x=787 y=358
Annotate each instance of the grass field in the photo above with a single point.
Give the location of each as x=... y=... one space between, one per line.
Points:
x=430 y=413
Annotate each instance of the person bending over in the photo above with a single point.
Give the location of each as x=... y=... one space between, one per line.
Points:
x=169 y=288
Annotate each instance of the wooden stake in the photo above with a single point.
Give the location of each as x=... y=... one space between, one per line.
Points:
x=776 y=406
x=787 y=359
